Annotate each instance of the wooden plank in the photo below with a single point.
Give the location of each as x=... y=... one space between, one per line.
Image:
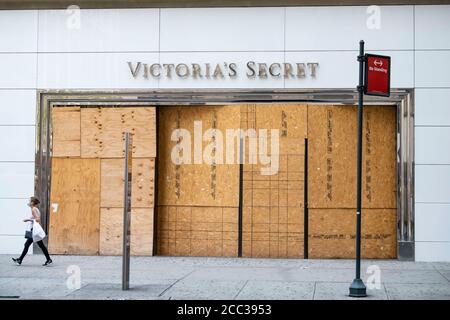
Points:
x=74 y=227
x=66 y=137
x=332 y=233
x=111 y=231
x=332 y=157
x=112 y=173
x=102 y=131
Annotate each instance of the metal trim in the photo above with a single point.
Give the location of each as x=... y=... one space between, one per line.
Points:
x=402 y=98
x=117 y=4
x=155 y=188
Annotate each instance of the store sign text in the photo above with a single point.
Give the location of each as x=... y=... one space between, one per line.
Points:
x=223 y=70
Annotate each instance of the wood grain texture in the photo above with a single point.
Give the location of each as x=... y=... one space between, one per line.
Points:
x=66 y=134
x=332 y=233
x=332 y=157
x=197 y=213
x=196 y=184
x=141 y=232
x=102 y=131
x=273 y=204
x=112 y=185
x=197 y=231
x=74 y=228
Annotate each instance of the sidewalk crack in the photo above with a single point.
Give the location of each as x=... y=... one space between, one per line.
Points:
x=386 y=292
x=439 y=271
x=169 y=287
x=239 y=292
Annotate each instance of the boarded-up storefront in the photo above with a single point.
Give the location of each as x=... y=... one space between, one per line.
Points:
x=196 y=220
x=273 y=203
x=332 y=182
x=197 y=205
x=197 y=202
x=86 y=198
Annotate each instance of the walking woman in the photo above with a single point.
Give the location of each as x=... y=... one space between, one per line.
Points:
x=34 y=218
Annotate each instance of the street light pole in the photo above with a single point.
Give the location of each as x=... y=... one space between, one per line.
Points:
x=357 y=288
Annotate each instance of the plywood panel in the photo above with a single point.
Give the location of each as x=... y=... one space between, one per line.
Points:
x=74 y=228
x=332 y=233
x=197 y=213
x=66 y=136
x=332 y=157
x=273 y=204
x=199 y=183
x=197 y=231
x=189 y=220
x=102 y=131
x=290 y=120
x=141 y=232
x=143 y=174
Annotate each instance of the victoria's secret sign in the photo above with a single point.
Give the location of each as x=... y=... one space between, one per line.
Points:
x=252 y=69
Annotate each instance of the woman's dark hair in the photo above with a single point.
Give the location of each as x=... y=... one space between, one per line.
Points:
x=34 y=201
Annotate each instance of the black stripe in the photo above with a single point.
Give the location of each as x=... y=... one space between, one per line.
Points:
x=305 y=204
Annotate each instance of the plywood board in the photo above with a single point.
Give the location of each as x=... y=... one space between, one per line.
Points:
x=273 y=204
x=332 y=233
x=75 y=190
x=290 y=120
x=332 y=156
x=141 y=232
x=112 y=174
x=102 y=131
x=199 y=183
x=197 y=231
x=66 y=134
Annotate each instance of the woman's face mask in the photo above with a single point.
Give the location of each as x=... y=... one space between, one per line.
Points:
x=29 y=204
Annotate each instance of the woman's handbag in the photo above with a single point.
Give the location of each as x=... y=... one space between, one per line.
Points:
x=29 y=231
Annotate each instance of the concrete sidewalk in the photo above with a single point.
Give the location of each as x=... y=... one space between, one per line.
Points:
x=216 y=278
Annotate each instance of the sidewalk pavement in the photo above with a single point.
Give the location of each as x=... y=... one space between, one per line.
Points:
x=217 y=278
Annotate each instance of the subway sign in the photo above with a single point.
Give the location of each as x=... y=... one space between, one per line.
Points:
x=377 y=75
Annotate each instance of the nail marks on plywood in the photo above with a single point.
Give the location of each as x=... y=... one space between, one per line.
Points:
x=96 y=134
x=112 y=173
x=111 y=231
x=102 y=131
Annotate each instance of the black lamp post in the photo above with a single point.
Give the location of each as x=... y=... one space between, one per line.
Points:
x=357 y=288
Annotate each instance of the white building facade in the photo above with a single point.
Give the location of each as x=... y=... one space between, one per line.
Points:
x=44 y=51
